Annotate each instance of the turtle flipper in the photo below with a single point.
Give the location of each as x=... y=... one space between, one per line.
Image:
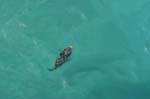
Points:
x=51 y=69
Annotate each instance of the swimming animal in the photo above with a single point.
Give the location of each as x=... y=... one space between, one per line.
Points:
x=63 y=57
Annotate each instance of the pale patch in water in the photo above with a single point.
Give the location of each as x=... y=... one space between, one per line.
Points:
x=35 y=42
x=78 y=12
x=146 y=50
x=64 y=84
x=135 y=78
x=83 y=16
x=4 y=34
x=22 y=24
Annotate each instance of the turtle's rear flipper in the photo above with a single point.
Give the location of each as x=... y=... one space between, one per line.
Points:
x=51 y=69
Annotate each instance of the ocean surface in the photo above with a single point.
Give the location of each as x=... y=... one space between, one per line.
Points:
x=110 y=59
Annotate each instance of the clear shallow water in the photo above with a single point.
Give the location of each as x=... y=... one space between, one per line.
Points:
x=111 y=42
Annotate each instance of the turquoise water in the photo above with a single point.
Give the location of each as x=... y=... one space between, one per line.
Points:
x=111 y=56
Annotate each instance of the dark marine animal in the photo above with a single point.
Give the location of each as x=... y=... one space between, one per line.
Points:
x=63 y=57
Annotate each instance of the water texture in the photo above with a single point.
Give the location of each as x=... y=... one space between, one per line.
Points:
x=111 y=56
